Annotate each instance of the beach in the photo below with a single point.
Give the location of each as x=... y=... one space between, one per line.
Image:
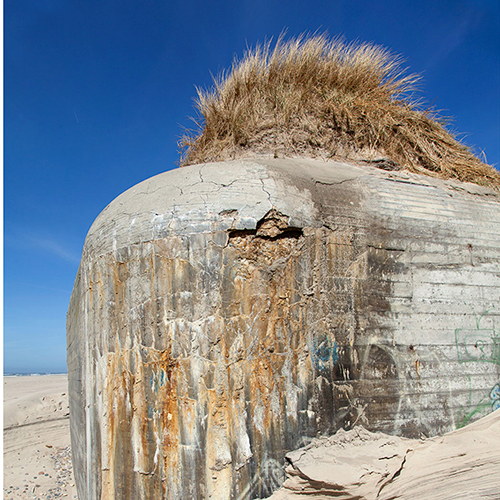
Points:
x=37 y=451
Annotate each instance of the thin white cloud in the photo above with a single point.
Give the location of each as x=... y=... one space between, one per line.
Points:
x=454 y=33
x=42 y=287
x=55 y=248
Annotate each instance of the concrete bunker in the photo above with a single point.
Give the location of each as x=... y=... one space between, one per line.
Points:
x=224 y=314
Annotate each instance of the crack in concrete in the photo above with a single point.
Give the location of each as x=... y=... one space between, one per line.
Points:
x=267 y=192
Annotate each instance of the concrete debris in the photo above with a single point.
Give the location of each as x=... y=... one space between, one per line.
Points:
x=362 y=465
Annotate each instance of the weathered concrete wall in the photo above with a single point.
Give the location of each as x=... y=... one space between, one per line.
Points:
x=224 y=314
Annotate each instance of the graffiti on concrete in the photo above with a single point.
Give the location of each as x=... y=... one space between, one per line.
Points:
x=324 y=352
x=268 y=480
x=490 y=402
x=478 y=344
x=495 y=397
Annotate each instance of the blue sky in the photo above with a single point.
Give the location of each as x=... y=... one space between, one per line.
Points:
x=97 y=94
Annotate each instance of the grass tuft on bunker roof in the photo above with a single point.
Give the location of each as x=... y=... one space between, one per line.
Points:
x=320 y=98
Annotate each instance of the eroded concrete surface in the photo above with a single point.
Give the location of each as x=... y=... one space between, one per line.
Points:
x=225 y=314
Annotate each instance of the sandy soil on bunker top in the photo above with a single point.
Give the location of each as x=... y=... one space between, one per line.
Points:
x=36 y=446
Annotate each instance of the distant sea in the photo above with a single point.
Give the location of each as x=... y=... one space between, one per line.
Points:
x=33 y=374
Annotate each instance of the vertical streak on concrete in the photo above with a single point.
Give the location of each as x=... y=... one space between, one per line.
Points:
x=88 y=388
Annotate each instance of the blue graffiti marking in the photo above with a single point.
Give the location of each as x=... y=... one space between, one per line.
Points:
x=158 y=380
x=495 y=398
x=325 y=353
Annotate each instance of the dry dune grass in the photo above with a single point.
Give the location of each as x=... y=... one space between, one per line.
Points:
x=320 y=98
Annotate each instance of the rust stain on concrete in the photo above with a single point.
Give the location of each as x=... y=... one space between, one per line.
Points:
x=231 y=392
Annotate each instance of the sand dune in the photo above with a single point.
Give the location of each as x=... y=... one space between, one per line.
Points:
x=361 y=465
x=37 y=456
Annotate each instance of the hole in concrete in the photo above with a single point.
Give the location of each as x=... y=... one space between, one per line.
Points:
x=273 y=226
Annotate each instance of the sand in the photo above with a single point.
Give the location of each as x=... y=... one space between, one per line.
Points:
x=37 y=452
x=361 y=465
